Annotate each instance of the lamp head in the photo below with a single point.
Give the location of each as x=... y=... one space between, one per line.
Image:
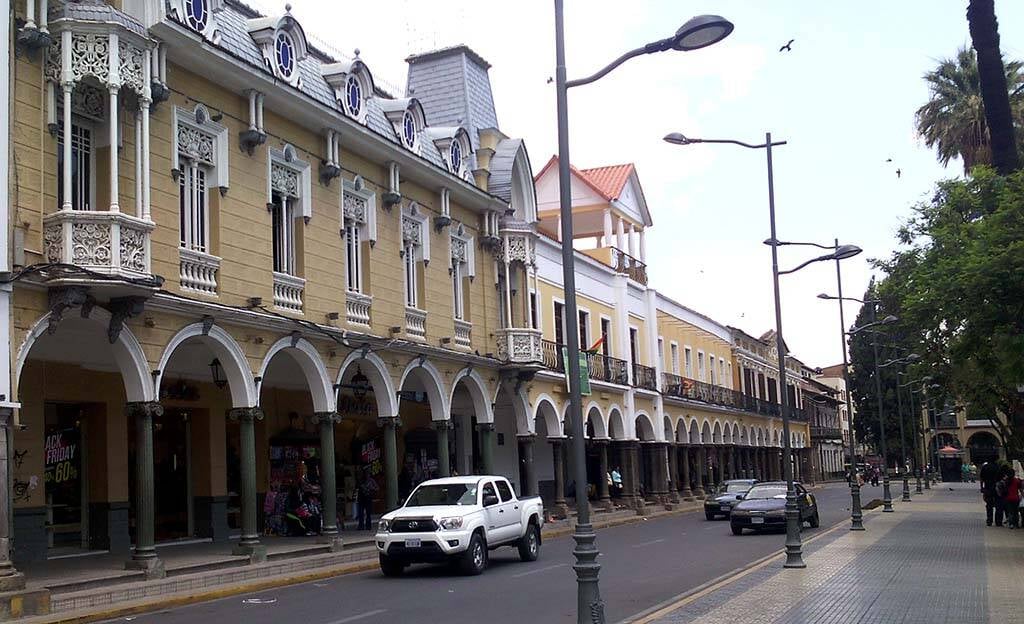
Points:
x=913 y=357
x=889 y=320
x=700 y=32
x=677 y=138
x=825 y=296
x=846 y=251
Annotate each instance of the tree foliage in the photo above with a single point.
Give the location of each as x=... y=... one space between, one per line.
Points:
x=957 y=284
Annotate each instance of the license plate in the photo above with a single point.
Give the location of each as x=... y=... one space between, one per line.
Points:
x=757 y=520
x=725 y=508
x=413 y=543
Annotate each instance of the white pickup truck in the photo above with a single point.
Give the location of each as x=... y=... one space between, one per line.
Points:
x=457 y=520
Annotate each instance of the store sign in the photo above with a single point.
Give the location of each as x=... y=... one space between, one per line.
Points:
x=370 y=456
x=60 y=454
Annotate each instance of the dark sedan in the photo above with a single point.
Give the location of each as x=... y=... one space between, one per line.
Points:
x=764 y=507
x=721 y=501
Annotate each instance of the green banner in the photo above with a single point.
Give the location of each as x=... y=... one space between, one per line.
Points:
x=584 y=372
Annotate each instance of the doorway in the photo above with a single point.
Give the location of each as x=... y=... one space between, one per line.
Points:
x=172 y=475
x=65 y=476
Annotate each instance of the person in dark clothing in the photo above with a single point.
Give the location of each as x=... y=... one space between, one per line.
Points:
x=364 y=498
x=990 y=475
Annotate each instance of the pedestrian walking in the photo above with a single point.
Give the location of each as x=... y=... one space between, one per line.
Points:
x=364 y=499
x=1011 y=501
x=617 y=481
x=989 y=473
x=874 y=477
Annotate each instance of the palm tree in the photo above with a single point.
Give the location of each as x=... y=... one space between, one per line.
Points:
x=953 y=121
x=981 y=18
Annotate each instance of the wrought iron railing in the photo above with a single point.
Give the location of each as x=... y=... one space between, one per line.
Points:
x=645 y=377
x=622 y=262
x=693 y=390
x=825 y=433
x=600 y=367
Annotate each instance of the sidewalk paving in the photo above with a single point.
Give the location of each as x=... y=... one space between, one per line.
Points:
x=932 y=560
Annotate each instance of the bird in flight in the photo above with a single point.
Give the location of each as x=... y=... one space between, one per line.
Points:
x=788 y=46
x=899 y=172
x=888 y=160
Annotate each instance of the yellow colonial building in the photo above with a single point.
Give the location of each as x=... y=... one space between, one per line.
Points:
x=240 y=271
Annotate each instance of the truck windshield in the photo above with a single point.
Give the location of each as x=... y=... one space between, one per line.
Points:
x=446 y=494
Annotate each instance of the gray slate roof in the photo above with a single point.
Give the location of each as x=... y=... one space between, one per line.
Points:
x=501 y=167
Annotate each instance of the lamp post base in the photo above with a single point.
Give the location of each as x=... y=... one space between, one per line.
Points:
x=856 y=515
x=794 y=548
x=917 y=486
x=906 y=488
x=886 y=494
x=590 y=607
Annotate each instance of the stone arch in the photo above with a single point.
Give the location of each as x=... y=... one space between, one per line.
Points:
x=520 y=405
x=616 y=423
x=548 y=410
x=127 y=352
x=427 y=374
x=599 y=424
x=705 y=433
x=694 y=433
x=308 y=359
x=716 y=433
x=477 y=389
x=984 y=446
x=376 y=371
x=225 y=349
x=682 y=432
x=744 y=437
x=669 y=436
x=644 y=427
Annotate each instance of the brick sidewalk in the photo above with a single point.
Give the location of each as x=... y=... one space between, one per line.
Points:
x=932 y=560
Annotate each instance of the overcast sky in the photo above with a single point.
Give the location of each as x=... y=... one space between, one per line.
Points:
x=844 y=98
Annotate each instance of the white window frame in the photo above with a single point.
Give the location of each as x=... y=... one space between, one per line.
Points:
x=415 y=241
x=353 y=258
x=409 y=270
x=359 y=223
x=661 y=351
x=673 y=348
x=462 y=267
x=721 y=373
x=688 y=361
x=188 y=129
x=285 y=161
x=283 y=217
x=555 y=302
x=80 y=123
x=583 y=319
x=609 y=343
x=711 y=369
x=193 y=206
x=701 y=368
x=634 y=343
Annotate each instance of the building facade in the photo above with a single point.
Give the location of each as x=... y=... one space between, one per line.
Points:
x=237 y=266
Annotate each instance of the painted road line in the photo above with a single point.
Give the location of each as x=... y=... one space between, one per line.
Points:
x=360 y=616
x=538 y=570
x=642 y=544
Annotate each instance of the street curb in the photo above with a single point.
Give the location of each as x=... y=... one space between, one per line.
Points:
x=672 y=604
x=179 y=600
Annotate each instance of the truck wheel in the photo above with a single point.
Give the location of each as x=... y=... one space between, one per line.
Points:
x=815 y=520
x=529 y=544
x=389 y=567
x=474 y=560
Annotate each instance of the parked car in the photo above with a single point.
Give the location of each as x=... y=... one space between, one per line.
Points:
x=458 y=520
x=764 y=507
x=721 y=501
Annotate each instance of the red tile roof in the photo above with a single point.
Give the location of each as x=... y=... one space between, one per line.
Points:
x=609 y=180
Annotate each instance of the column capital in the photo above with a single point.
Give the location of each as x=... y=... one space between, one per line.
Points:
x=325 y=418
x=6 y=417
x=599 y=441
x=149 y=409
x=526 y=437
x=487 y=426
x=246 y=414
x=441 y=425
x=389 y=421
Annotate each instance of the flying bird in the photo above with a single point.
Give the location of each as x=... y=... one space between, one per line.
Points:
x=899 y=172
x=788 y=46
x=888 y=160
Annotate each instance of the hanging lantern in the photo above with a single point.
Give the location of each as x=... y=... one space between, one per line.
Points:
x=217 y=370
x=360 y=384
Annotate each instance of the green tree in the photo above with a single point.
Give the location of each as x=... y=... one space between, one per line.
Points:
x=953 y=121
x=981 y=17
x=958 y=283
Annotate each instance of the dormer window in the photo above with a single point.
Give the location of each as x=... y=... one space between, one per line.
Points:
x=407 y=119
x=455 y=157
x=353 y=97
x=284 y=49
x=453 y=145
x=408 y=130
x=197 y=14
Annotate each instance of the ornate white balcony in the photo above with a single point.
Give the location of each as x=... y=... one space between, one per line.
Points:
x=520 y=345
x=288 y=292
x=463 y=333
x=357 y=308
x=416 y=323
x=198 y=271
x=112 y=243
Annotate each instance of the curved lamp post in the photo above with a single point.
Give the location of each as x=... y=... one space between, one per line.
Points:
x=794 y=547
x=918 y=458
x=699 y=32
x=909 y=359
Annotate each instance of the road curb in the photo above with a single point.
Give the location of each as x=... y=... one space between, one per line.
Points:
x=672 y=604
x=180 y=600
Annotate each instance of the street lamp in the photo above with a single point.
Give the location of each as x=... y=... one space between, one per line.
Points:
x=918 y=437
x=794 y=555
x=699 y=32
x=913 y=357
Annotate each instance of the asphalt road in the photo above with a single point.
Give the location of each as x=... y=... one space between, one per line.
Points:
x=642 y=564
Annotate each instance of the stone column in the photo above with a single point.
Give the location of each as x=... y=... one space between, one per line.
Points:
x=659 y=477
x=527 y=471
x=633 y=486
x=673 y=472
x=730 y=461
x=389 y=425
x=328 y=485
x=487 y=446
x=687 y=492
x=442 y=427
x=10 y=578
x=558 y=463
x=249 y=544
x=144 y=556
x=701 y=467
x=714 y=468
x=604 y=498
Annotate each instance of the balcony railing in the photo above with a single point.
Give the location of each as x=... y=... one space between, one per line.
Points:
x=198 y=271
x=600 y=367
x=622 y=262
x=463 y=333
x=521 y=346
x=416 y=323
x=826 y=433
x=693 y=390
x=288 y=291
x=645 y=377
x=112 y=243
x=357 y=308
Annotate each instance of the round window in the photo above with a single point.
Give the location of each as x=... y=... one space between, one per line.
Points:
x=284 y=47
x=197 y=14
x=353 y=96
x=408 y=129
x=455 y=156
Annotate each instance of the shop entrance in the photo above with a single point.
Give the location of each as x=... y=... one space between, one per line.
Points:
x=172 y=475
x=67 y=494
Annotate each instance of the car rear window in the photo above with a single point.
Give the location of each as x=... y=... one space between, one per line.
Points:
x=766 y=492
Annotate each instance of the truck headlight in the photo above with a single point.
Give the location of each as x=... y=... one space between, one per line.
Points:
x=383 y=526
x=450 y=524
